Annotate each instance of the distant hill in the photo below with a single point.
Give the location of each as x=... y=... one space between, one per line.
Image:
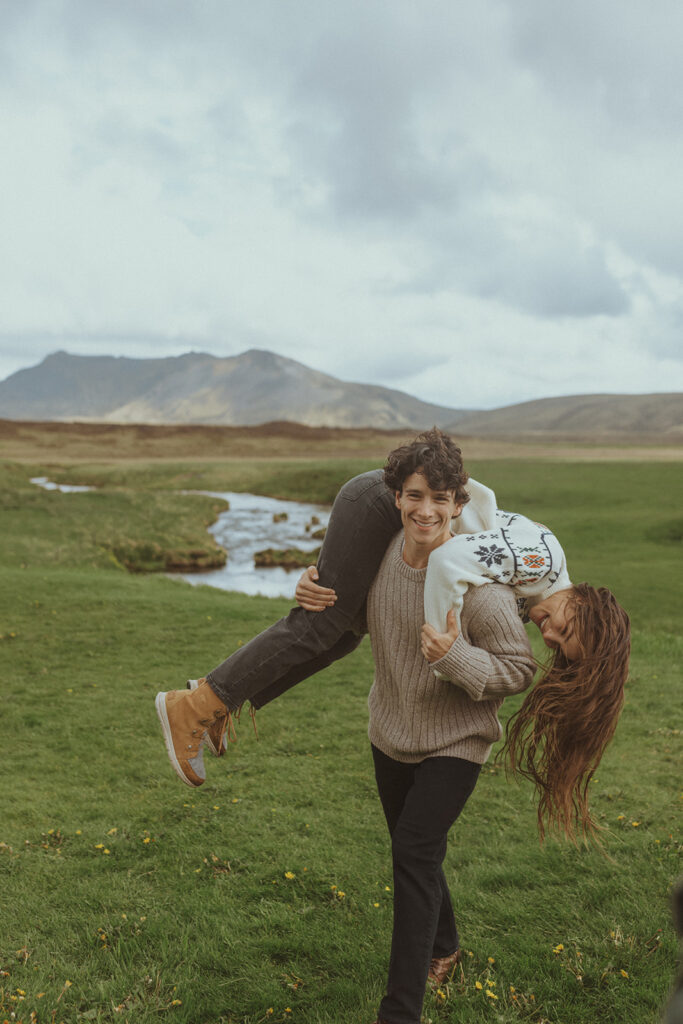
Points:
x=259 y=387
x=254 y=387
x=594 y=415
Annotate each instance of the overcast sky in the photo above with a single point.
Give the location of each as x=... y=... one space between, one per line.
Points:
x=477 y=203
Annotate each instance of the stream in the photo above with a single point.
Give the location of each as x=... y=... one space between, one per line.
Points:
x=246 y=527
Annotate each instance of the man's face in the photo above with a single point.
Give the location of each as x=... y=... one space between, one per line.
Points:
x=426 y=514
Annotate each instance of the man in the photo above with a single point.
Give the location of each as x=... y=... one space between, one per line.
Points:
x=431 y=735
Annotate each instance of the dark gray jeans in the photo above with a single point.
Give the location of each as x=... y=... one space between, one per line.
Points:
x=364 y=519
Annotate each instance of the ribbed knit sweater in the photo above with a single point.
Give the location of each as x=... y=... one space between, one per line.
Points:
x=414 y=714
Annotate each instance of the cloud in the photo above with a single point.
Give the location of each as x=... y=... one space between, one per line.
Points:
x=379 y=190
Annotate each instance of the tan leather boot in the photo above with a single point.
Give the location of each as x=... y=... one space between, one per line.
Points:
x=186 y=716
x=215 y=738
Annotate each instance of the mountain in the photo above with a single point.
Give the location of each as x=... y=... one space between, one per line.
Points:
x=260 y=387
x=660 y=415
x=254 y=387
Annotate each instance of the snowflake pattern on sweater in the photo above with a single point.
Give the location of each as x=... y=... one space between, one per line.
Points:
x=518 y=552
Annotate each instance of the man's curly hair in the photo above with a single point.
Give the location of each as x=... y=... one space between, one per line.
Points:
x=436 y=456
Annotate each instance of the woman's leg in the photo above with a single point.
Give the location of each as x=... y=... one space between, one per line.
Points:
x=363 y=521
x=422 y=811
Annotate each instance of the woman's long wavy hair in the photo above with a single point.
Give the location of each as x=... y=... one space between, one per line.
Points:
x=558 y=735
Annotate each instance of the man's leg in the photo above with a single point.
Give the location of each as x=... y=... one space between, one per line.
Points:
x=394 y=781
x=363 y=521
x=432 y=803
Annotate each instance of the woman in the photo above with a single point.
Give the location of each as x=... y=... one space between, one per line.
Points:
x=363 y=521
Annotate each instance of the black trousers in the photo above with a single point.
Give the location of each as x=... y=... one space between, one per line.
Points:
x=420 y=802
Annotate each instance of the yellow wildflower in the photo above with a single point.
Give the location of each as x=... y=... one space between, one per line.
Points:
x=624 y=973
x=146 y=839
x=491 y=960
x=558 y=948
x=290 y=875
x=490 y=994
x=478 y=985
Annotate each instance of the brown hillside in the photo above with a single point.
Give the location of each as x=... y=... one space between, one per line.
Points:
x=59 y=443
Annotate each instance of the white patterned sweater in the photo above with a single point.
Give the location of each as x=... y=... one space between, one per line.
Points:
x=518 y=552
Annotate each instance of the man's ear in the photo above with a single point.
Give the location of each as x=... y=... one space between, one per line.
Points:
x=398 y=499
x=458 y=510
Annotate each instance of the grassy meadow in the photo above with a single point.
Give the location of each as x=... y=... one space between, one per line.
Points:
x=266 y=894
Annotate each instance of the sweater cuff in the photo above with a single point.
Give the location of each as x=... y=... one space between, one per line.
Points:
x=462 y=665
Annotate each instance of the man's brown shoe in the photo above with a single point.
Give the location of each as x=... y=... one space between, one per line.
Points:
x=442 y=967
x=186 y=716
x=215 y=738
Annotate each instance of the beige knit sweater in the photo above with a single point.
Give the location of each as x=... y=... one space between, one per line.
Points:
x=413 y=714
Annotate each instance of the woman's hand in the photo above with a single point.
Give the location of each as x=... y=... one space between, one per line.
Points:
x=309 y=595
x=435 y=645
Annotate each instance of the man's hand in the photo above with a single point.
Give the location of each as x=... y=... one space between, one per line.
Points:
x=435 y=645
x=309 y=595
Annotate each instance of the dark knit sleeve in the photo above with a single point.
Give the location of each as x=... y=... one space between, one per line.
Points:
x=496 y=660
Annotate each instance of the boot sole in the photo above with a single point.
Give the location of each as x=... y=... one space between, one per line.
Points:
x=160 y=704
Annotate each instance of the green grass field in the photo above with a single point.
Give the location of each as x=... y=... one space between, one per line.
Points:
x=266 y=894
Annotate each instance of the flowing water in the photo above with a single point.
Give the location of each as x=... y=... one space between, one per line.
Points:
x=252 y=523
